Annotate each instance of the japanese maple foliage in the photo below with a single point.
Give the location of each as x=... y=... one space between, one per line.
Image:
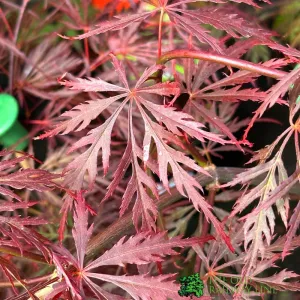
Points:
x=136 y=109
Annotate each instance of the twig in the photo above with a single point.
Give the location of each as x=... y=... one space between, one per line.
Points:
x=16 y=33
x=25 y=254
x=27 y=281
x=222 y=59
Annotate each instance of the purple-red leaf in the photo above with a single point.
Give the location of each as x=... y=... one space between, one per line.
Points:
x=143 y=248
x=142 y=286
x=81 y=232
x=113 y=25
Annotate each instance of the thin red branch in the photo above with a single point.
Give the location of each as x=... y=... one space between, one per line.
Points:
x=27 y=281
x=222 y=59
x=16 y=33
x=160 y=33
x=25 y=254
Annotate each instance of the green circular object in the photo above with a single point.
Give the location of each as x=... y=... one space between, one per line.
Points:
x=8 y=112
x=11 y=131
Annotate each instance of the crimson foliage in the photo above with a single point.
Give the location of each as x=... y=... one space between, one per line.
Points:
x=129 y=167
